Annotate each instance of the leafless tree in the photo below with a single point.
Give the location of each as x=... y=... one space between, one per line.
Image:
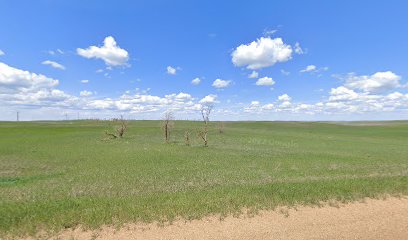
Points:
x=123 y=125
x=167 y=125
x=119 y=130
x=205 y=113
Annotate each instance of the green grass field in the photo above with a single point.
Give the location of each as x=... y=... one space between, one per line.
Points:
x=55 y=175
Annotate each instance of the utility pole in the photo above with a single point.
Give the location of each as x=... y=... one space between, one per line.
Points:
x=66 y=116
x=18 y=116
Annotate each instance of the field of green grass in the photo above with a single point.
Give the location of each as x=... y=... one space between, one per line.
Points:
x=56 y=175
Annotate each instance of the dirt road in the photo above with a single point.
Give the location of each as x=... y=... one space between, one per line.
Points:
x=372 y=219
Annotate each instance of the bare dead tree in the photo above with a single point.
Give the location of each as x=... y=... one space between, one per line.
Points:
x=167 y=125
x=205 y=113
x=119 y=130
x=123 y=125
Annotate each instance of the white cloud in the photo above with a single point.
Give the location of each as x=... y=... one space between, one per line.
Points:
x=285 y=98
x=85 y=93
x=314 y=69
x=209 y=99
x=286 y=73
x=342 y=101
x=53 y=64
x=1 y=53
x=253 y=107
x=265 y=81
x=298 y=49
x=285 y=105
x=13 y=79
x=41 y=97
x=110 y=53
x=85 y=81
x=36 y=92
x=253 y=74
x=310 y=68
x=196 y=81
x=395 y=95
x=143 y=103
x=255 y=103
x=52 y=52
x=268 y=106
x=342 y=93
x=179 y=97
x=269 y=32
x=377 y=83
x=219 y=83
x=171 y=70
x=264 y=52
x=19 y=87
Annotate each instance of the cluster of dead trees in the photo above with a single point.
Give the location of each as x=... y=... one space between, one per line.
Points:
x=121 y=126
x=202 y=133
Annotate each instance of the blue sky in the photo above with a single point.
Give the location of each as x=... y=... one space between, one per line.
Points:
x=311 y=60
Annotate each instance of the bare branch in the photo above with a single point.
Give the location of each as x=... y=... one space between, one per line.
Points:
x=205 y=113
x=167 y=125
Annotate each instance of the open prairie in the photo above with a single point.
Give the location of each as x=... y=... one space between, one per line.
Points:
x=56 y=175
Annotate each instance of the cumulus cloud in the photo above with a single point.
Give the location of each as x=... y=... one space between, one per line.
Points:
x=219 y=83
x=285 y=98
x=1 y=53
x=253 y=74
x=310 y=68
x=196 y=81
x=20 y=87
x=142 y=103
x=264 y=52
x=53 y=64
x=85 y=81
x=376 y=83
x=268 y=106
x=209 y=99
x=39 y=98
x=110 y=53
x=171 y=70
x=85 y=93
x=13 y=79
x=265 y=81
x=36 y=91
x=342 y=93
x=341 y=100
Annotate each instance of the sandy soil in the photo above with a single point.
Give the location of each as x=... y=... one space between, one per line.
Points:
x=371 y=219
